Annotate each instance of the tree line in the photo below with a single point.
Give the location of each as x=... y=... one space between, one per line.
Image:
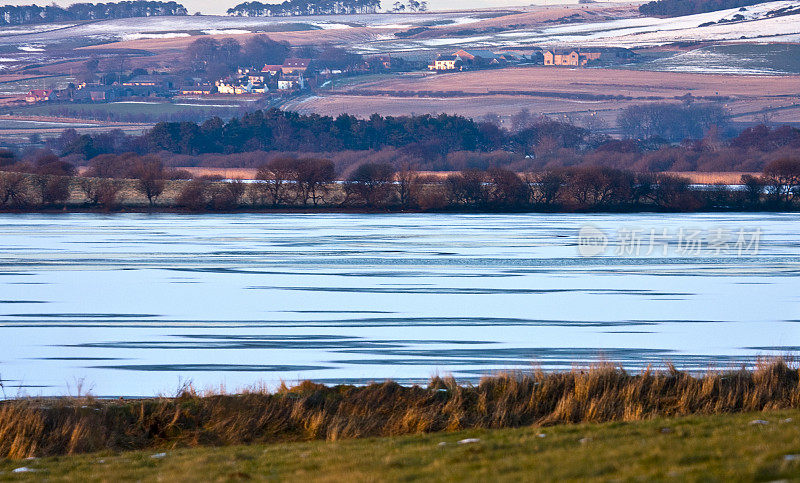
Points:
x=304 y=7
x=307 y=182
x=672 y=122
x=276 y=130
x=27 y=14
x=438 y=143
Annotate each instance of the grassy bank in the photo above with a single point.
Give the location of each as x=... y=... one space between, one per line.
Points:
x=732 y=447
x=44 y=427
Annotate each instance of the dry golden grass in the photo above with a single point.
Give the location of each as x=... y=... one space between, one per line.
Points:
x=227 y=173
x=40 y=427
x=718 y=177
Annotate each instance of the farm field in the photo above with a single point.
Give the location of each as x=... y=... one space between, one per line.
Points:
x=16 y=127
x=20 y=84
x=556 y=92
x=126 y=108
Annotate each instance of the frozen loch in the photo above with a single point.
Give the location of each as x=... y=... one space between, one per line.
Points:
x=137 y=304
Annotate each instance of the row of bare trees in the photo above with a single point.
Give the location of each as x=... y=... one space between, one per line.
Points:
x=24 y=191
x=312 y=182
x=47 y=181
x=293 y=182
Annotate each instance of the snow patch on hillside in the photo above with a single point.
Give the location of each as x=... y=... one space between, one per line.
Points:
x=169 y=35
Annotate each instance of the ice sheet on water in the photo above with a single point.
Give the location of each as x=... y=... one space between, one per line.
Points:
x=460 y=294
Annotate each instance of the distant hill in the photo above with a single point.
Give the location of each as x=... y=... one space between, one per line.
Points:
x=28 y=14
x=676 y=8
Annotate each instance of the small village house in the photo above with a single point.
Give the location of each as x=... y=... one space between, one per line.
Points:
x=384 y=61
x=197 y=90
x=99 y=96
x=253 y=75
x=290 y=82
x=464 y=59
x=272 y=70
x=233 y=87
x=478 y=57
x=293 y=65
x=245 y=81
x=38 y=95
x=572 y=58
x=446 y=62
x=157 y=81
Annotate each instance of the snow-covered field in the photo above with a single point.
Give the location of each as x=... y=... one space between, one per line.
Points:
x=740 y=59
x=758 y=23
x=9 y=30
x=771 y=22
x=168 y=35
x=779 y=21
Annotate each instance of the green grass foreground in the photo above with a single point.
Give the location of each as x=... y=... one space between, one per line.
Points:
x=740 y=447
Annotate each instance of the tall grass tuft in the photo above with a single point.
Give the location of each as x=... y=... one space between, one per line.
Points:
x=604 y=392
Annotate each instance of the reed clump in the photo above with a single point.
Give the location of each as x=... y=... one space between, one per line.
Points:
x=52 y=426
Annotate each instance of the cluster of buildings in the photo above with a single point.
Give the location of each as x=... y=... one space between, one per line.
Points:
x=477 y=59
x=289 y=76
x=299 y=73
x=471 y=59
x=137 y=86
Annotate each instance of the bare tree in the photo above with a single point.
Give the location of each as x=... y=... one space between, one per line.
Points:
x=101 y=192
x=194 y=195
x=13 y=189
x=278 y=176
x=372 y=183
x=506 y=189
x=408 y=186
x=312 y=179
x=783 y=179
x=149 y=175
x=52 y=189
x=545 y=187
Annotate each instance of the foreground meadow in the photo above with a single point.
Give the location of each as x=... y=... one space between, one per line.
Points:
x=740 y=447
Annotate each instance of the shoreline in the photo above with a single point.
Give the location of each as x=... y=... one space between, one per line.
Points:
x=36 y=427
x=367 y=211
